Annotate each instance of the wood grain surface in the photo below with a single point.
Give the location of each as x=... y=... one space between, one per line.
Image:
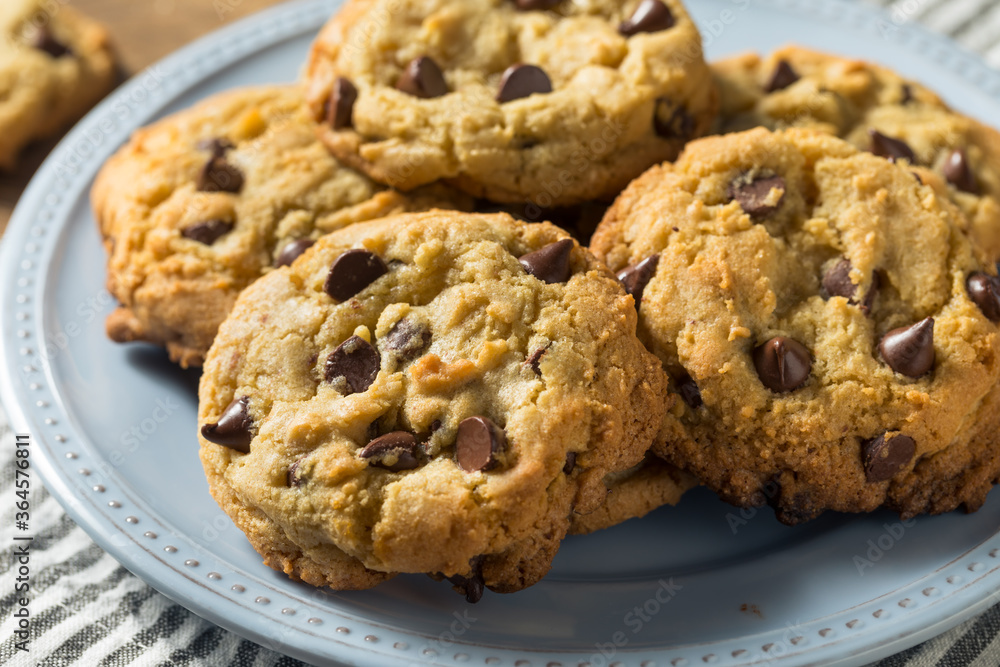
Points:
x=144 y=31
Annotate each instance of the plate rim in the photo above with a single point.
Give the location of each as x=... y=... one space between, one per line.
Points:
x=195 y=63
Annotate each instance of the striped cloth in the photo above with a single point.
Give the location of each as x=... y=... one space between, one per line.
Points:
x=89 y=610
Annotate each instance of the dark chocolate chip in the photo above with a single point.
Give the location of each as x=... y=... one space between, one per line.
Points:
x=536 y=5
x=837 y=280
x=393 y=451
x=551 y=263
x=672 y=123
x=636 y=277
x=233 y=428
x=910 y=350
x=958 y=171
x=984 y=290
x=292 y=251
x=44 y=40
x=891 y=148
x=649 y=16
x=217 y=146
x=535 y=359
x=570 y=463
x=356 y=361
x=884 y=456
x=207 y=232
x=292 y=477
x=422 y=78
x=352 y=272
x=340 y=108
x=521 y=81
x=753 y=196
x=219 y=176
x=782 y=77
x=471 y=587
x=905 y=94
x=783 y=364
x=688 y=389
x=407 y=339
x=477 y=444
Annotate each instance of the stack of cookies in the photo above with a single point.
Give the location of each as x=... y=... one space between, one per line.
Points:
x=407 y=370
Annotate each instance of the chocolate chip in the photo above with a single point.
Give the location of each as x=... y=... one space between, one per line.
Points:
x=422 y=78
x=688 y=389
x=636 y=277
x=356 y=361
x=407 y=339
x=217 y=146
x=884 y=456
x=905 y=94
x=471 y=587
x=570 y=463
x=958 y=171
x=292 y=251
x=649 y=16
x=340 y=108
x=754 y=196
x=984 y=290
x=837 y=282
x=782 y=77
x=536 y=5
x=910 y=350
x=219 y=176
x=551 y=263
x=536 y=359
x=207 y=232
x=890 y=148
x=292 y=477
x=477 y=443
x=233 y=428
x=44 y=40
x=783 y=364
x=393 y=451
x=672 y=123
x=521 y=81
x=352 y=272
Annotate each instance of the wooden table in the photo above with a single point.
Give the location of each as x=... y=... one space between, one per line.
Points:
x=144 y=31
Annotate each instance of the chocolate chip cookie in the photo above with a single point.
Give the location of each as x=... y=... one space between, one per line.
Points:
x=434 y=393
x=876 y=110
x=553 y=102
x=825 y=320
x=55 y=64
x=197 y=206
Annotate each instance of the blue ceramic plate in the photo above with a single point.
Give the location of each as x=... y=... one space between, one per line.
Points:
x=114 y=439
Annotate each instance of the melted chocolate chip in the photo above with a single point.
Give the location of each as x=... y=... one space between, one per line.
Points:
x=837 y=282
x=292 y=251
x=688 y=389
x=635 y=277
x=393 y=451
x=570 y=463
x=340 y=108
x=672 y=123
x=233 y=428
x=44 y=40
x=535 y=359
x=536 y=5
x=782 y=77
x=649 y=16
x=407 y=339
x=549 y=264
x=207 y=232
x=352 y=272
x=884 y=456
x=477 y=444
x=356 y=361
x=754 y=196
x=910 y=350
x=891 y=148
x=958 y=171
x=984 y=290
x=422 y=78
x=521 y=81
x=905 y=94
x=783 y=364
x=219 y=176
x=471 y=587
